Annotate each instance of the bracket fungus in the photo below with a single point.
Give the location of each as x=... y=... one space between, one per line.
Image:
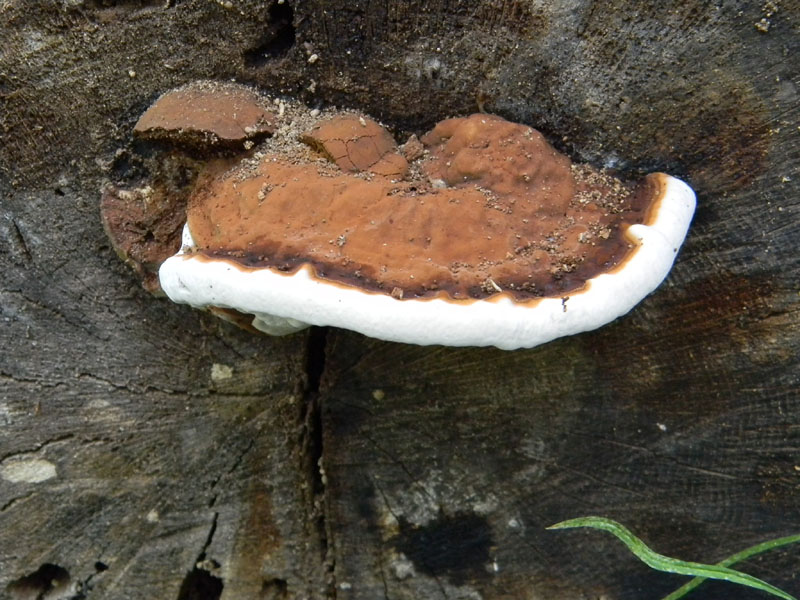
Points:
x=477 y=234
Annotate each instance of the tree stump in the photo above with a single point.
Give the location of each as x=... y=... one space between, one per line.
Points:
x=151 y=451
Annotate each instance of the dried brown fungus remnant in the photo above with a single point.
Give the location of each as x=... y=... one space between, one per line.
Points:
x=144 y=222
x=144 y=225
x=207 y=115
x=490 y=206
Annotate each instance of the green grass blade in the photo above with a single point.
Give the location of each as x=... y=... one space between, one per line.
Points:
x=659 y=562
x=732 y=560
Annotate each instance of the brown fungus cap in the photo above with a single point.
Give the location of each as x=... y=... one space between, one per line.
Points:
x=513 y=161
x=490 y=207
x=207 y=114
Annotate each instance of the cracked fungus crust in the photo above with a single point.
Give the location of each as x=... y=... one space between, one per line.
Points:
x=489 y=206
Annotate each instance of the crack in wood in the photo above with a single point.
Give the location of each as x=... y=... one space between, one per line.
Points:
x=15 y=500
x=43 y=383
x=312 y=445
x=654 y=455
x=85 y=584
x=601 y=482
x=397 y=517
x=414 y=480
x=38 y=448
x=199 y=581
x=80 y=325
x=20 y=242
x=133 y=389
x=241 y=456
x=237 y=461
x=209 y=538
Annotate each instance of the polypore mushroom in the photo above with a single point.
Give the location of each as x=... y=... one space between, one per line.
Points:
x=491 y=237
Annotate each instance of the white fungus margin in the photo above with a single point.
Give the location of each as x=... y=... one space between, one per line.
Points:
x=283 y=303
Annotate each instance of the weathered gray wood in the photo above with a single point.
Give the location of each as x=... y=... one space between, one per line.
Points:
x=173 y=438
x=163 y=476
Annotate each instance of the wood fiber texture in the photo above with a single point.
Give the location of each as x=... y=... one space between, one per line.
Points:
x=151 y=451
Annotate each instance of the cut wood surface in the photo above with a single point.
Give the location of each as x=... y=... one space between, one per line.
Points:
x=151 y=451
